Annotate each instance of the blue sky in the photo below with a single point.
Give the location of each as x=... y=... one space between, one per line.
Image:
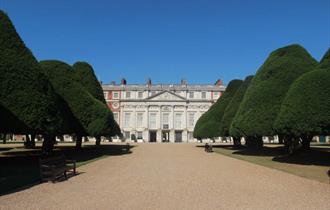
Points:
x=199 y=40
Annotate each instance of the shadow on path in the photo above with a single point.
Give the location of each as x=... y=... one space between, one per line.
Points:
x=19 y=169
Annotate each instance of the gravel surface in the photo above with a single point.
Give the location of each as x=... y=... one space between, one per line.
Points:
x=173 y=176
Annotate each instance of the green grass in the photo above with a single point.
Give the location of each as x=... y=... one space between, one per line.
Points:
x=314 y=164
x=19 y=167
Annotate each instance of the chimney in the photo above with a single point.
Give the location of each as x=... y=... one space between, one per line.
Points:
x=183 y=82
x=123 y=81
x=113 y=83
x=149 y=82
x=218 y=82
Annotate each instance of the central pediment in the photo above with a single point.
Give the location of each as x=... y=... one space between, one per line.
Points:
x=166 y=96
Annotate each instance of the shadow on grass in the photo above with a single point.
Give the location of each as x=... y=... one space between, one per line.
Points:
x=20 y=169
x=319 y=156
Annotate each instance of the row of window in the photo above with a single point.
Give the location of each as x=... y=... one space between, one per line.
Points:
x=139 y=135
x=191 y=94
x=165 y=123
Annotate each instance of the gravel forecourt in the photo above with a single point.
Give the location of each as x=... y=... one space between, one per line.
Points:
x=173 y=176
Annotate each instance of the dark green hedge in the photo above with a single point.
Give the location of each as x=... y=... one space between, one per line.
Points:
x=232 y=108
x=26 y=94
x=84 y=74
x=306 y=109
x=325 y=61
x=208 y=125
x=265 y=94
x=92 y=114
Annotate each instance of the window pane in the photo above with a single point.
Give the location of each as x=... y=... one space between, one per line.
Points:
x=152 y=120
x=128 y=94
x=165 y=120
x=127 y=119
x=177 y=121
x=203 y=95
x=139 y=119
x=191 y=119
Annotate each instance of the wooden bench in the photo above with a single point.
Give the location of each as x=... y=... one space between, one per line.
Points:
x=52 y=168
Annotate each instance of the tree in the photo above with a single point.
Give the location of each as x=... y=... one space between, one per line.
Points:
x=305 y=111
x=208 y=125
x=27 y=98
x=84 y=74
x=264 y=96
x=92 y=114
x=230 y=111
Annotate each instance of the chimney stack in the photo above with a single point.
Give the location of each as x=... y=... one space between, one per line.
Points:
x=123 y=81
x=149 y=82
x=183 y=82
x=113 y=83
x=218 y=82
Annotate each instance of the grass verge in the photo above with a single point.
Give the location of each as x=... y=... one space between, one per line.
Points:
x=314 y=164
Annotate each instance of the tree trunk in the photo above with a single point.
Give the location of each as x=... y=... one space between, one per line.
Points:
x=61 y=138
x=78 y=141
x=306 y=142
x=98 y=140
x=48 y=144
x=4 y=138
x=237 y=141
x=33 y=142
x=27 y=141
x=254 y=142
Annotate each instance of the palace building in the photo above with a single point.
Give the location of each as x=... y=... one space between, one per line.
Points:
x=160 y=112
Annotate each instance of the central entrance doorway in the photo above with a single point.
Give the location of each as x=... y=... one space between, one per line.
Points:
x=178 y=136
x=152 y=136
x=165 y=136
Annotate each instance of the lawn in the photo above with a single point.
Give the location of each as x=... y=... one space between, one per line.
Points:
x=314 y=164
x=19 y=167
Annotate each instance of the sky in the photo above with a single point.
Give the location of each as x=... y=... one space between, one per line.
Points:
x=167 y=40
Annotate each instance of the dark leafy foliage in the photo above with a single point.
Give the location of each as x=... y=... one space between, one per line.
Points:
x=232 y=108
x=306 y=109
x=84 y=74
x=264 y=96
x=325 y=61
x=208 y=125
x=26 y=95
x=93 y=115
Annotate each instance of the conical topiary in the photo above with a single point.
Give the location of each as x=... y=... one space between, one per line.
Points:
x=264 y=96
x=26 y=94
x=208 y=125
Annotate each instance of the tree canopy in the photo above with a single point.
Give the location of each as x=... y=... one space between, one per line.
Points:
x=232 y=108
x=84 y=73
x=93 y=115
x=208 y=125
x=305 y=110
x=264 y=96
x=27 y=98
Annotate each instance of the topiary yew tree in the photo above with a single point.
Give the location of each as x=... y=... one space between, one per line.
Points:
x=208 y=125
x=85 y=75
x=264 y=96
x=305 y=111
x=231 y=110
x=93 y=115
x=27 y=98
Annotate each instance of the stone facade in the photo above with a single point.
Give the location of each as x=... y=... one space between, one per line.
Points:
x=161 y=112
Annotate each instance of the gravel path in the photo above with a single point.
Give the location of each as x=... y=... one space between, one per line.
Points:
x=173 y=176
